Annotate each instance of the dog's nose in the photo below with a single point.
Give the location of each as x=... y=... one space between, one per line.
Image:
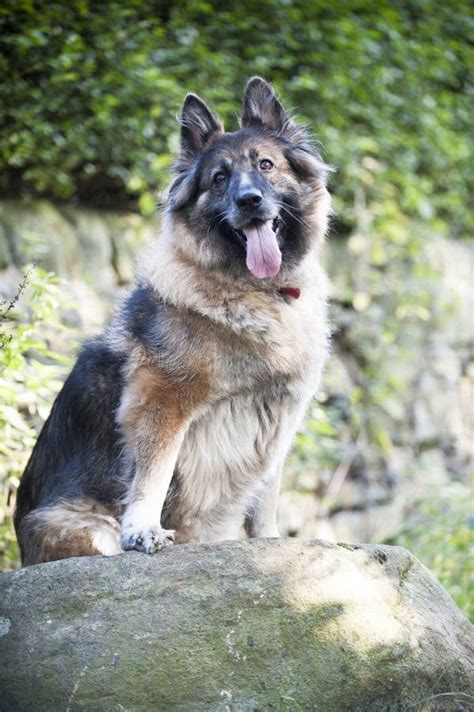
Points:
x=249 y=198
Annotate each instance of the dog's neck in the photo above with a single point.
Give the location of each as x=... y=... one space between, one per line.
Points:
x=239 y=304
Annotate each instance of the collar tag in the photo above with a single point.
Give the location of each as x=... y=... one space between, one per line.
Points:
x=291 y=292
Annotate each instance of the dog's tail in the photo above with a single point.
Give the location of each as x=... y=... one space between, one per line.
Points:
x=79 y=527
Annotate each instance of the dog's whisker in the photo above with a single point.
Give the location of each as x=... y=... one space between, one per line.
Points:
x=292 y=214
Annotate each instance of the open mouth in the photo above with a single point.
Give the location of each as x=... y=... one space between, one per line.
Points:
x=261 y=245
x=276 y=224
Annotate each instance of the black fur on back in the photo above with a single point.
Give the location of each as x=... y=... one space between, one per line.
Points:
x=79 y=448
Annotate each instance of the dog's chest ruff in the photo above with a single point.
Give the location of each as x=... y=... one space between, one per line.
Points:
x=226 y=450
x=262 y=352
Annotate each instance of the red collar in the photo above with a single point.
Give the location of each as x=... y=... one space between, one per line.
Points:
x=290 y=291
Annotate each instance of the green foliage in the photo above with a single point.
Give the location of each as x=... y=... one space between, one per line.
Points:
x=442 y=537
x=30 y=376
x=92 y=92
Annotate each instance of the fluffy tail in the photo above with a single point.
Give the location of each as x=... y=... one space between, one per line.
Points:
x=79 y=527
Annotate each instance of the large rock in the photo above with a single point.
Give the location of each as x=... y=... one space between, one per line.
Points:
x=251 y=625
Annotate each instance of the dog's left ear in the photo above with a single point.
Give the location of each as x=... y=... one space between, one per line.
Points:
x=198 y=127
x=261 y=107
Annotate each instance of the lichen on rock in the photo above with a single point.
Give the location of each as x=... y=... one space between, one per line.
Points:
x=280 y=624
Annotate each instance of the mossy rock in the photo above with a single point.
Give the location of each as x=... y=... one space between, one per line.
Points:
x=253 y=625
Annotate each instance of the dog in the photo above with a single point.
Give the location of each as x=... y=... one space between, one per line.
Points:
x=175 y=422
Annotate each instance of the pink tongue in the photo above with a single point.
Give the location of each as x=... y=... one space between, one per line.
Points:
x=263 y=253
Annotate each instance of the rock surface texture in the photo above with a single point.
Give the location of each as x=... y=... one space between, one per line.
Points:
x=253 y=625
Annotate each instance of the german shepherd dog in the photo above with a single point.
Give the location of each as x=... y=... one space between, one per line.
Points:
x=175 y=422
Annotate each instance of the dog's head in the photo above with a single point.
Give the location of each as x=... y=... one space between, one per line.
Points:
x=255 y=199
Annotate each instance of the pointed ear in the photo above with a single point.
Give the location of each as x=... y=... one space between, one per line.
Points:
x=261 y=107
x=198 y=127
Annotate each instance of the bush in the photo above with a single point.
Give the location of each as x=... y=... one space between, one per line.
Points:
x=92 y=92
x=442 y=537
x=31 y=374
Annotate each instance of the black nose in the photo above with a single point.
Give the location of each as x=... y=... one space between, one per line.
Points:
x=249 y=198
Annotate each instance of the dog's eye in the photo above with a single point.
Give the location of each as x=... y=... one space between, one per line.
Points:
x=220 y=178
x=266 y=165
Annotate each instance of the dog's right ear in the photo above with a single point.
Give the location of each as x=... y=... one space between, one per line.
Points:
x=199 y=126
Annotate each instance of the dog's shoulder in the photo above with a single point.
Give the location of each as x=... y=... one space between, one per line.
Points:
x=142 y=316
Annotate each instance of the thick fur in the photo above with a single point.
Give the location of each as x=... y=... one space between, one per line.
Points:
x=175 y=422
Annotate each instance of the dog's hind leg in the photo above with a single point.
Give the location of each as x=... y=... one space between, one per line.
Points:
x=79 y=527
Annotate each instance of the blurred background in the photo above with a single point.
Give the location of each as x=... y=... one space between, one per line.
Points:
x=89 y=97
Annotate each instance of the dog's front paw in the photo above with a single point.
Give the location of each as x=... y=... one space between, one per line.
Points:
x=147 y=540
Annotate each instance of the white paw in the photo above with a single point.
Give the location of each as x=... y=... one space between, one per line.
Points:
x=147 y=540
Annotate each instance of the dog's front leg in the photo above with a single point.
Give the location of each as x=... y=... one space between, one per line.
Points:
x=141 y=522
x=154 y=415
x=261 y=521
